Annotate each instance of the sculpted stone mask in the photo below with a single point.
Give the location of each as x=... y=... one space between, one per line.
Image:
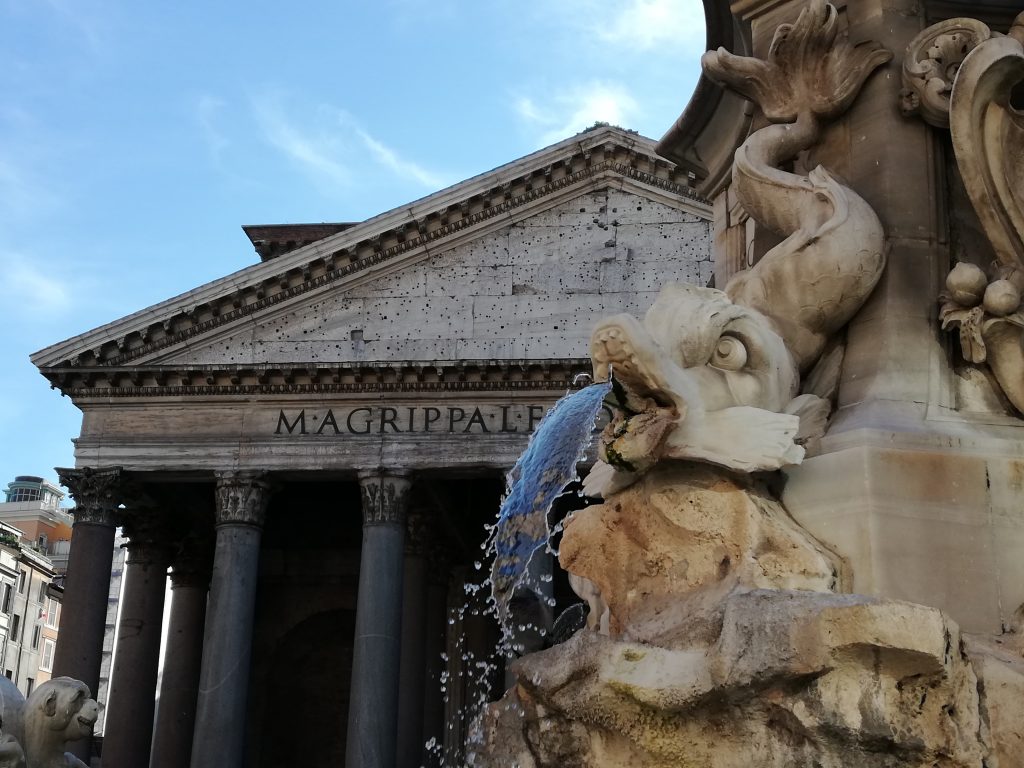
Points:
x=696 y=369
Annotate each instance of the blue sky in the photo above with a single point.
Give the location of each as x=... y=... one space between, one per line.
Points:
x=136 y=138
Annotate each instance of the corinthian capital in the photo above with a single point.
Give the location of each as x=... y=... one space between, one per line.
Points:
x=96 y=492
x=242 y=498
x=385 y=496
x=149 y=539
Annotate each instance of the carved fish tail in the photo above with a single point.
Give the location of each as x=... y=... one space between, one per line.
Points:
x=773 y=197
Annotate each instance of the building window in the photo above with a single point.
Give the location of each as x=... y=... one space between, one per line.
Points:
x=21 y=582
x=9 y=674
x=29 y=685
x=51 y=612
x=8 y=593
x=36 y=634
x=15 y=626
x=49 y=647
x=42 y=592
x=25 y=494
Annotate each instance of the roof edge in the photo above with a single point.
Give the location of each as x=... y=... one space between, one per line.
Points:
x=380 y=238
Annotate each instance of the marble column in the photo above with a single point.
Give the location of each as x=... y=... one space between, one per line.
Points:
x=179 y=687
x=219 y=737
x=373 y=707
x=132 y=697
x=84 y=606
x=413 y=641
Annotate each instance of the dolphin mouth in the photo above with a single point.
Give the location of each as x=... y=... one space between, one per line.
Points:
x=616 y=354
x=643 y=412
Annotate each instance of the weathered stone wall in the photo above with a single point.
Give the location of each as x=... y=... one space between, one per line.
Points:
x=530 y=290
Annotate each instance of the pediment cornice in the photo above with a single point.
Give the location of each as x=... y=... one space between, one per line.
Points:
x=383 y=244
x=390 y=377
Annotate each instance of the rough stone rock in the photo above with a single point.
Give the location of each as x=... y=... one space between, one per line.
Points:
x=679 y=540
x=793 y=679
x=999 y=665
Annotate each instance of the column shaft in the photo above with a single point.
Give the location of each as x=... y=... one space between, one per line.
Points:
x=132 y=698
x=84 y=610
x=84 y=606
x=219 y=738
x=179 y=688
x=373 y=708
x=413 y=655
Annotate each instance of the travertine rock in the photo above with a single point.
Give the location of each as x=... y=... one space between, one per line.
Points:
x=676 y=542
x=999 y=666
x=792 y=679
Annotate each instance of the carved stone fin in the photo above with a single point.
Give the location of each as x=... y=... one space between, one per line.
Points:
x=809 y=68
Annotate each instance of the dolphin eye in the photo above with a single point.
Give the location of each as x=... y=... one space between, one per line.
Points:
x=729 y=354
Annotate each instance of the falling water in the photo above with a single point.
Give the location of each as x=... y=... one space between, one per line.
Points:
x=542 y=473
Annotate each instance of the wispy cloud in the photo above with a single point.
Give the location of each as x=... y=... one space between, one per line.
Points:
x=317 y=154
x=207 y=108
x=646 y=24
x=577 y=108
x=390 y=159
x=37 y=289
x=332 y=147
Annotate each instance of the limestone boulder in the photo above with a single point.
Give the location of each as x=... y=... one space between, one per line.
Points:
x=793 y=679
x=680 y=539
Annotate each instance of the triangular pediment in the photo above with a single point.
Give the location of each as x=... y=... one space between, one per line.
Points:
x=512 y=264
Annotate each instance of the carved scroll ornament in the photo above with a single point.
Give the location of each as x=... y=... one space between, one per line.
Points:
x=988 y=138
x=931 y=64
x=967 y=82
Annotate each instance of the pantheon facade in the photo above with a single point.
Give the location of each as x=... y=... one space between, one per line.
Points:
x=309 y=449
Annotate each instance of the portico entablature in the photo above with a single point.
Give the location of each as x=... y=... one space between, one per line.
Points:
x=468 y=415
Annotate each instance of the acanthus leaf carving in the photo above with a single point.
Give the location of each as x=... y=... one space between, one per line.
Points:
x=385 y=496
x=242 y=498
x=97 y=492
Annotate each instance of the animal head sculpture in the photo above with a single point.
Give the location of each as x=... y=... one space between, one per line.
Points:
x=58 y=711
x=701 y=378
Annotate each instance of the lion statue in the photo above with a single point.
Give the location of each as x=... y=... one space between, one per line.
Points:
x=58 y=711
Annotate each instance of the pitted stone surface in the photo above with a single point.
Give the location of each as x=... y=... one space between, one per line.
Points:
x=530 y=290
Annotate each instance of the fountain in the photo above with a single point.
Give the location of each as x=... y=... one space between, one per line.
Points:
x=720 y=631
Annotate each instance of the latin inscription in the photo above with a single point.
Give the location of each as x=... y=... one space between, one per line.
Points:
x=412 y=419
